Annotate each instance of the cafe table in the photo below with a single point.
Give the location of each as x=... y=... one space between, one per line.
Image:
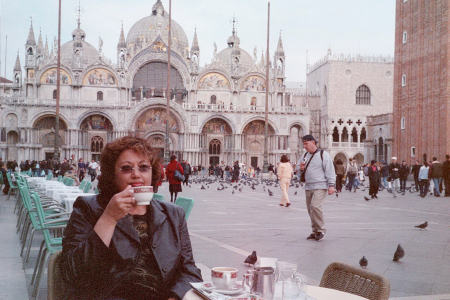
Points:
x=321 y=293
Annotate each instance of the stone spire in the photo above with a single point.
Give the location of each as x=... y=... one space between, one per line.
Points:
x=233 y=41
x=158 y=8
x=122 y=43
x=46 y=53
x=195 y=47
x=40 y=47
x=17 y=66
x=30 y=40
x=280 y=50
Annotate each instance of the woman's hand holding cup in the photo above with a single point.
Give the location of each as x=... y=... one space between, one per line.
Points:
x=121 y=204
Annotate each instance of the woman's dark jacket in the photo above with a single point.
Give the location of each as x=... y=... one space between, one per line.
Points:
x=92 y=270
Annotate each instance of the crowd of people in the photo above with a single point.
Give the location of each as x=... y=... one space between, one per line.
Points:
x=393 y=176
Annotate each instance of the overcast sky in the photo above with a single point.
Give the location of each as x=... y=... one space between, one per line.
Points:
x=365 y=27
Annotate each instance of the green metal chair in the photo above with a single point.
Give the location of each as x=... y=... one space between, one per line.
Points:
x=82 y=184
x=186 y=204
x=49 y=175
x=96 y=191
x=60 y=178
x=49 y=246
x=87 y=187
x=12 y=185
x=158 y=197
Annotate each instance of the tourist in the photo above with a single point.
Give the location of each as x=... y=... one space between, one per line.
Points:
x=174 y=183
x=320 y=179
x=424 y=179
x=284 y=172
x=115 y=249
x=436 y=176
x=340 y=172
x=394 y=174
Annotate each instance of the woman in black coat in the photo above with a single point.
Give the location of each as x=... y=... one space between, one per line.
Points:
x=115 y=249
x=374 y=179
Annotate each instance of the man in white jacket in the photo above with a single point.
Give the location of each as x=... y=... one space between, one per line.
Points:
x=320 y=179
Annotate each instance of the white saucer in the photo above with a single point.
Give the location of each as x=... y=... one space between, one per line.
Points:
x=236 y=291
x=230 y=292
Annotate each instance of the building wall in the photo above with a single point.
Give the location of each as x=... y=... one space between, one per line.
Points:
x=336 y=79
x=423 y=100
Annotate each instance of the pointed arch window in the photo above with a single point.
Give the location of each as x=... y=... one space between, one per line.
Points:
x=214 y=147
x=335 y=135
x=344 y=135
x=96 y=144
x=54 y=94
x=213 y=99
x=99 y=96
x=354 y=135
x=363 y=95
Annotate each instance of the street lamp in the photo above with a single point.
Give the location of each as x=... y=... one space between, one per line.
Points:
x=168 y=92
x=266 y=111
x=58 y=85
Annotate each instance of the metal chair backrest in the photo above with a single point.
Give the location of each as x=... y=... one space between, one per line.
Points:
x=55 y=282
x=158 y=197
x=87 y=187
x=49 y=175
x=346 y=278
x=186 y=204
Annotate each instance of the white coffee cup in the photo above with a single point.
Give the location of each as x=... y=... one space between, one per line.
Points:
x=143 y=194
x=224 y=278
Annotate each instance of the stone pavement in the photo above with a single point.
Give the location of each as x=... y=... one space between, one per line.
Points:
x=226 y=227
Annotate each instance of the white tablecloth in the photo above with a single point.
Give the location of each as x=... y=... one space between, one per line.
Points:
x=321 y=293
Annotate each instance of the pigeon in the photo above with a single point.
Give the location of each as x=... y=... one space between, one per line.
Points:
x=251 y=259
x=366 y=198
x=203 y=187
x=363 y=262
x=399 y=253
x=240 y=189
x=270 y=192
x=295 y=193
x=337 y=195
x=422 y=226
x=232 y=192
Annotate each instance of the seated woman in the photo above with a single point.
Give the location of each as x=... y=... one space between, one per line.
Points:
x=115 y=249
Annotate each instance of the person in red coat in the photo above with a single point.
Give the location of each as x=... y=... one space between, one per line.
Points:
x=174 y=184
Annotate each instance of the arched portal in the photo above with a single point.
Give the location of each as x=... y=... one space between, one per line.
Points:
x=152 y=124
x=158 y=143
x=342 y=157
x=12 y=140
x=253 y=135
x=344 y=137
x=359 y=159
x=217 y=135
x=96 y=128
x=295 y=142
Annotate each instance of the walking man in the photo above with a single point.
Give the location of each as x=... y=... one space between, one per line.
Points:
x=320 y=177
x=187 y=171
x=404 y=172
x=394 y=173
x=436 y=176
x=415 y=171
x=352 y=172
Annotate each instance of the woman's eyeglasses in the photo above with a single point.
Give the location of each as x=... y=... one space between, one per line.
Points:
x=128 y=169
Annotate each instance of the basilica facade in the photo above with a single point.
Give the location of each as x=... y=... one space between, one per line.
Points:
x=216 y=110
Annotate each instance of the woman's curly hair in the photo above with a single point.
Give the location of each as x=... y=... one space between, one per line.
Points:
x=108 y=159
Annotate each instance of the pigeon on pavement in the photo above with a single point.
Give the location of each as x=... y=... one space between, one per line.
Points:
x=251 y=259
x=366 y=198
x=422 y=226
x=270 y=192
x=399 y=253
x=363 y=262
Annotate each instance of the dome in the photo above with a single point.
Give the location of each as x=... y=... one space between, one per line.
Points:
x=225 y=58
x=89 y=53
x=145 y=31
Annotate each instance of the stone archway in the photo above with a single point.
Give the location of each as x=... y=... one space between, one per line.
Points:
x=97 y=129
x=253 y=135
x=46 y=128
x=217 y=134
x=295 y=142
x=158 y=143
x=359 y=159
x=153 y=122
x=341 y=156
x=12 y=139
